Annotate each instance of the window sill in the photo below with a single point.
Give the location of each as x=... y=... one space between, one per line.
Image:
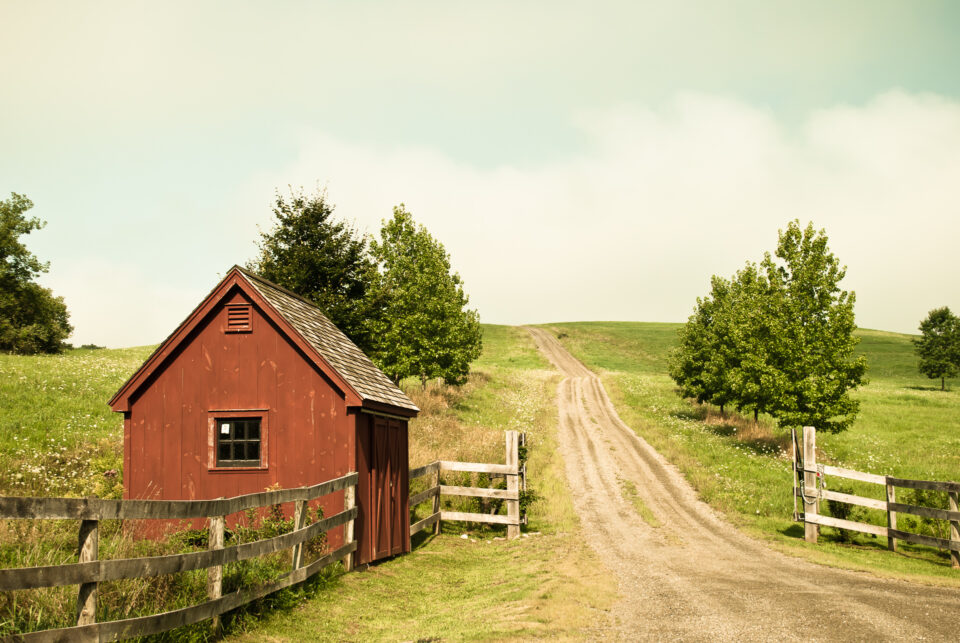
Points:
x=236 y=469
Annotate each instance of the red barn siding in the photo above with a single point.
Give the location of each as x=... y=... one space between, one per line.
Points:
x=316 y=426
x=309 y=434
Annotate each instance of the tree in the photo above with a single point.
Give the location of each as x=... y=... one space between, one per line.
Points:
x=811 y=343
x=322 y=259
x=702 y=361
x=939 y=345
x=748 y=326
x=777 y=338
x=32 y=320
x=426 y=330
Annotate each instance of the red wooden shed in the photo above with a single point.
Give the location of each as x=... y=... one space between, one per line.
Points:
x=258 y=388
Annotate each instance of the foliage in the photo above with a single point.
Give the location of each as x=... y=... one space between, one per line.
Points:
x=812 y=341
x=742 y=468
x=322 y=259
x=777 y=338
x=939 y=345
x=426 y=330
x=32 y=320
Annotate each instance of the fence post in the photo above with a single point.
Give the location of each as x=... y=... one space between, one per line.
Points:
x=891 y=516
x=436 y=502
x=349 y=502
x=810 y=508
x=89 y=550
x=954 y=530
x=513 y=485
x=299 y=520
x=215 y=573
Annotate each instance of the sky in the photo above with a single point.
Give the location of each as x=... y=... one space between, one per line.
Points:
x=579 y=161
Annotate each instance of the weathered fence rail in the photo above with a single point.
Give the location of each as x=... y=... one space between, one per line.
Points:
x=89 y=571
x=812 y=488
x=511 y=470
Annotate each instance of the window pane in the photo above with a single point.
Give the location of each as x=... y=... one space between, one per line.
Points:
x=253 y=451
x=238 y=450
x=238 y=431
x=223 y=453
x=253 y=429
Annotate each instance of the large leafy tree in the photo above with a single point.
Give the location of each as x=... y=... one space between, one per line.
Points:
x=938 y=346
x=811 y=342
x=426 y=330
x=32 y=319
x=323 y=259
x=777 y=338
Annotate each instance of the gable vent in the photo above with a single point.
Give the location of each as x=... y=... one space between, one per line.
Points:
x=239 y=319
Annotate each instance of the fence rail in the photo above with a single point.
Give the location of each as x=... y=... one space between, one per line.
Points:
x=511 y=470
x=811 y=489
x=90 y=571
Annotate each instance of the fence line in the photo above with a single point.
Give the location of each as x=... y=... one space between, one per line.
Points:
x=89 y=571
x=812 y=488
x=511 y=470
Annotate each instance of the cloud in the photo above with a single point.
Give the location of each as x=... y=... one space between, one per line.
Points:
x=118 y=305
x=629 y=228
x=661 y=198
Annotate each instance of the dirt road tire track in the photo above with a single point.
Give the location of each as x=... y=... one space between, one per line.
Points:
x=695 y=577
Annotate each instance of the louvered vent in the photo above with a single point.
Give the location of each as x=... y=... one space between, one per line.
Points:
x=239 y=319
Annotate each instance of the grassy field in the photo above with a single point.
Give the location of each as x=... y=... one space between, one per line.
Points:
x=548 y=585
x=907 y=428
x=59 y=438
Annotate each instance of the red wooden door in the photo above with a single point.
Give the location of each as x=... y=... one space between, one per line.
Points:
x=382 y=476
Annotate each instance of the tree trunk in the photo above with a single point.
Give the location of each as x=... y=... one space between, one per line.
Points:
x=756 y=415
x=943 y=384
x=721 y=412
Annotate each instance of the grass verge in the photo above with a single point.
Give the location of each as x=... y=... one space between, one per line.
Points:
x=906 y=428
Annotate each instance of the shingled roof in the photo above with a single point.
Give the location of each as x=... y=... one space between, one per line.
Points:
x=308 y=327
x=328 y=340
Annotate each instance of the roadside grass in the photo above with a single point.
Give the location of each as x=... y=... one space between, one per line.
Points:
x=906 y=428
x=58 y=438
x=548 y=584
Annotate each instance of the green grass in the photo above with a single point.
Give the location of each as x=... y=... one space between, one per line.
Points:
x=547 y=585
x=61 y=438
x=906 y=428
x=57 y=435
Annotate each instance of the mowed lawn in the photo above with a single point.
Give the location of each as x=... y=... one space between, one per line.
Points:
x=907 y=428
x=58 y=437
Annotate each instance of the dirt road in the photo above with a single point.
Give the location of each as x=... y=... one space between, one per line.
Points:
x=695 y=578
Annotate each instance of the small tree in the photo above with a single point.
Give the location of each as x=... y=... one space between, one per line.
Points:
x=755 y=381
x=426 y=330
x=322 y=259
x=701 y=363
x=811 y=326
x=32 y=320
x=939 y=345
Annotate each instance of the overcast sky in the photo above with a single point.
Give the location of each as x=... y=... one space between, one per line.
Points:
x=579 y=161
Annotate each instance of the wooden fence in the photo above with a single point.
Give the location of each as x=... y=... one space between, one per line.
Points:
x=809 y=484
x=511 y=470
x=89 y=571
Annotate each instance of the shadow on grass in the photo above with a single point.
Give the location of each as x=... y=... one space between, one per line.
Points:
x=930 y=388
x=696 y=413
